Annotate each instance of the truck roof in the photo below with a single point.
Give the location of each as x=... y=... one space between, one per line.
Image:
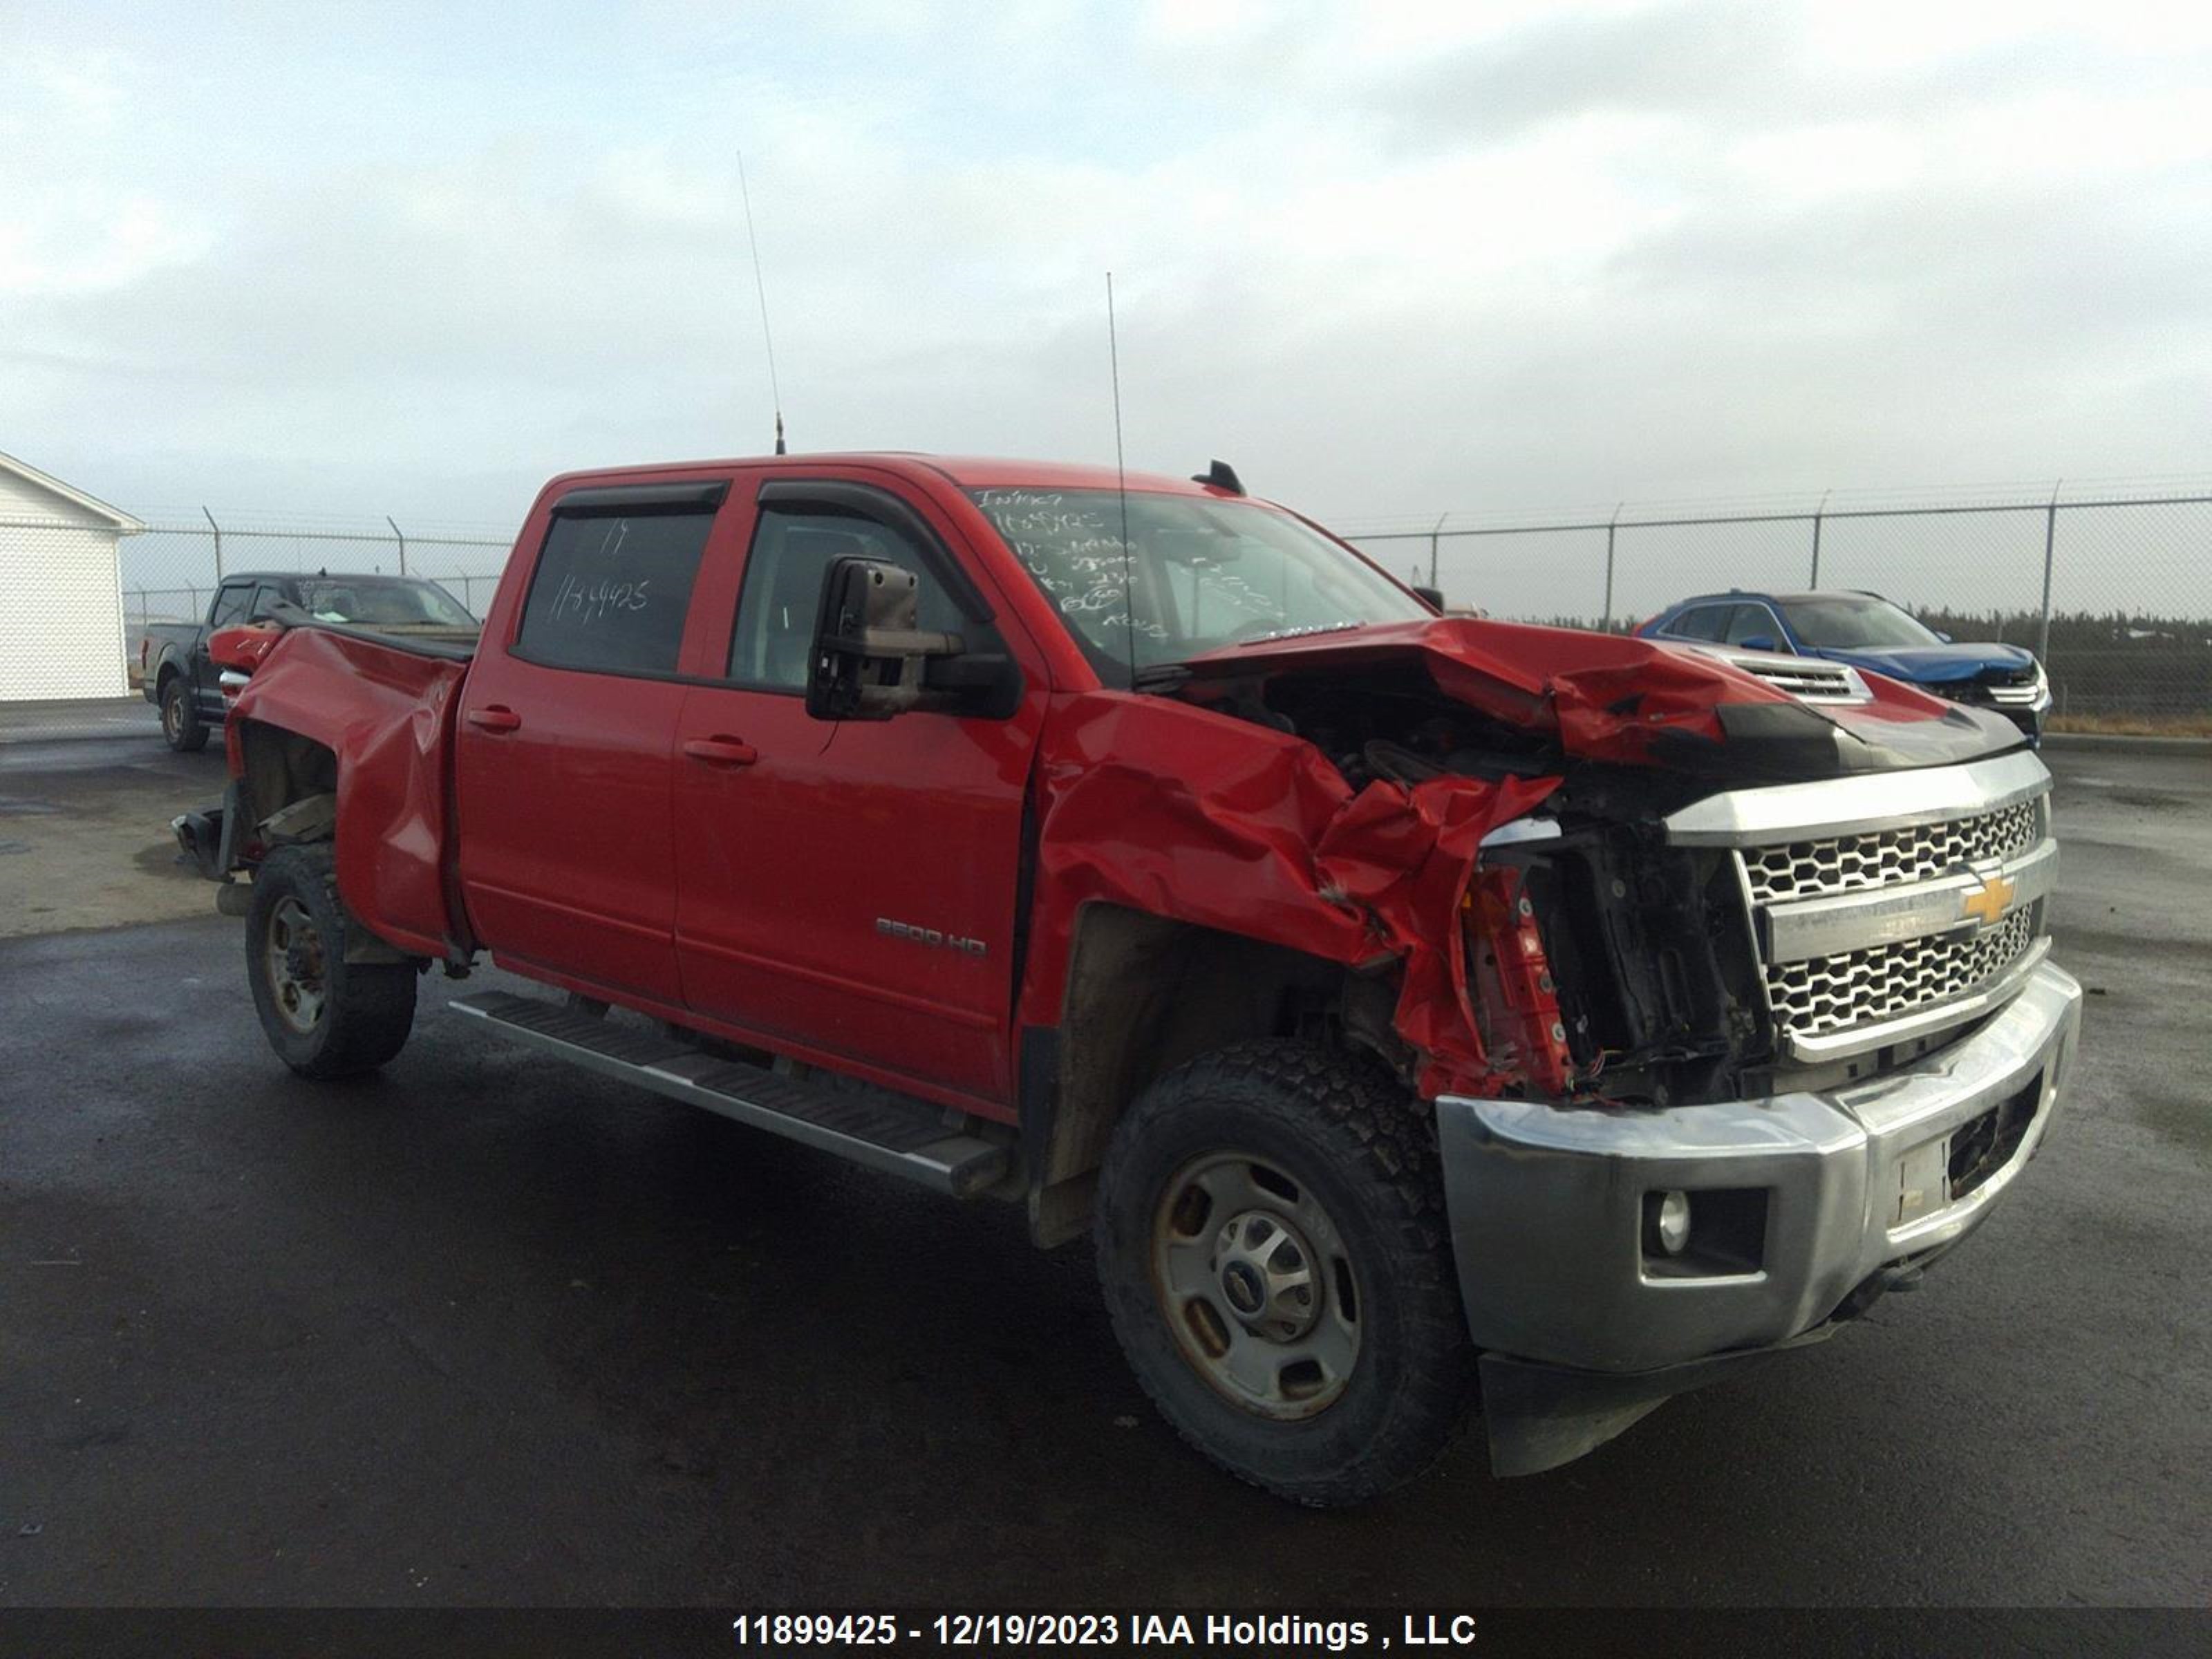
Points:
x=968 y=471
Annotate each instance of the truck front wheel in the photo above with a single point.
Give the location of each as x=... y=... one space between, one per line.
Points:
x=325 y=1017
x=1274 y=1257
x=182 y=729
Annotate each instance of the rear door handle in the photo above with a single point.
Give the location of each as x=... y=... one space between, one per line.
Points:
x=721 y=752
x=493 y=717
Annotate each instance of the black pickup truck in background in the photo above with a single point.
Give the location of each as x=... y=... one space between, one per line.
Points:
x=179 y=680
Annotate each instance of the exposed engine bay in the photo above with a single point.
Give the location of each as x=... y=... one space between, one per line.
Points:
x=1388 y=721
x=1608 y=964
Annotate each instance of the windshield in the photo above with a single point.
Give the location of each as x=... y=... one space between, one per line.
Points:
x=383 y=604
x=1848 y=621
x=1194 y=575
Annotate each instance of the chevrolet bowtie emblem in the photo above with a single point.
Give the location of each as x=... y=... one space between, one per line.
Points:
x=1989 y=903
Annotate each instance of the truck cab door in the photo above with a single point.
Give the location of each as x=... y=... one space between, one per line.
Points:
x=568 y=718
x=847 y=892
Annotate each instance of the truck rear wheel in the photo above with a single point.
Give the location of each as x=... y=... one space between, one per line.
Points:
x=1272 y=1248
x=325 y=1017
x=182 y=729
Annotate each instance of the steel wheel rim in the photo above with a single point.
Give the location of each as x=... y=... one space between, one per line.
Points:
x=293 y=946
x=1256 y=1285
x=173 y=715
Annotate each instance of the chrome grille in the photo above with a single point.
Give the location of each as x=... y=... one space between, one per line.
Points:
x=1878 y=858
x=1870 y=897
x=1832 y=993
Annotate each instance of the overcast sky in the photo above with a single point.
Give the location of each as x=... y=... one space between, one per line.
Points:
x=342 y=260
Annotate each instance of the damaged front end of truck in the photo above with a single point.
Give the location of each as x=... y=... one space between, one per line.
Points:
x=1732 y=1007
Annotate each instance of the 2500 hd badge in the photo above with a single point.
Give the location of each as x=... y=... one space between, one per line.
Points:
x=937 y=938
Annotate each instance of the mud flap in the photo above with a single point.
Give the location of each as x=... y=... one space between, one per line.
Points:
x=1539 y=1416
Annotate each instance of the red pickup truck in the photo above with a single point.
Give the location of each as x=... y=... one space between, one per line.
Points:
x=1414 y=1010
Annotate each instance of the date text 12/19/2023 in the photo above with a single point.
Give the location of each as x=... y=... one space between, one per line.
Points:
x=1166 y=1631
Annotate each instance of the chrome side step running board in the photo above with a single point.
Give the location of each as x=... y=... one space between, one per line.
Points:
x=905 y=1139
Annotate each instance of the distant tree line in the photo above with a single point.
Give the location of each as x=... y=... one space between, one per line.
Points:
x=2105 y=663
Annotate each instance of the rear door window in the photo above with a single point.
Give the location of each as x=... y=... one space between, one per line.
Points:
x=1704 y=621
x=611 y=591
x=1747 y=621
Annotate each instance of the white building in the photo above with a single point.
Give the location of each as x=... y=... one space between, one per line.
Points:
x=61 y=589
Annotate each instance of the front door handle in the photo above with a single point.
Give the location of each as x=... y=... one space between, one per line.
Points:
x=493 y=717
x=721 y=752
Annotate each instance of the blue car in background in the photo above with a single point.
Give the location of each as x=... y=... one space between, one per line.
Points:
x=1867 y=632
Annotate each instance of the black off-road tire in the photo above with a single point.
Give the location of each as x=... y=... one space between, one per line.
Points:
x=367 y=1008
x=182 y=728
x=1340 y=1125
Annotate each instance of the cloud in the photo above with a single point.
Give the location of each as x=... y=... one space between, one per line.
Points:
x=1716 y=59
x=1398 y=260
x=75 y=220
x=63 y=242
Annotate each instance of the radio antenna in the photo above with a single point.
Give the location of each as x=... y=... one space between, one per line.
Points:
x=759 y=288
x=1121 y=484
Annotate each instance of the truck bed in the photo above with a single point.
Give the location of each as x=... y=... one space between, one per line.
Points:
x=384 y=708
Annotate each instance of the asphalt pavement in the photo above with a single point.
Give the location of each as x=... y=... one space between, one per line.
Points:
x=486 y=1330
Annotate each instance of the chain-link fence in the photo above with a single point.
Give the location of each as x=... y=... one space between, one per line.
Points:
x=2109 y=585
x=170 y=570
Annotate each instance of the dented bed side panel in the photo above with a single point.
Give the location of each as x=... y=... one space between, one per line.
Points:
x=388 y=714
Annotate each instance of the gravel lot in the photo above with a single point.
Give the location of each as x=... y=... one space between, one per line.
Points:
x=487 y=1330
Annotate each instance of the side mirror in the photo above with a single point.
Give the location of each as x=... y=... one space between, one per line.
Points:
x=868 y=653
x=1435 y=596
x=1945 y=638
x=1762 y=642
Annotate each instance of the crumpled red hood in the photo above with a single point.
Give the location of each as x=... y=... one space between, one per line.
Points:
x=1607 y=697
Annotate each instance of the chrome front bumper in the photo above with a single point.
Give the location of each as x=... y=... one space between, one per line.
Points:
x=1546 y=1202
